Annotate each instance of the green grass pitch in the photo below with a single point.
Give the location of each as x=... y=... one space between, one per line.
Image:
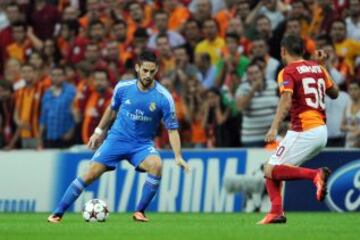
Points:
x=173 y=226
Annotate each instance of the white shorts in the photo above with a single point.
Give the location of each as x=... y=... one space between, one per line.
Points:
x=297 y=147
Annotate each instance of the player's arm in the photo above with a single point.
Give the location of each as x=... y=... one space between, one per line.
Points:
x=100 y=130
x=332 y=90
x=175 y=143
x=107 y=118
x=171 y=124
x=281 y=112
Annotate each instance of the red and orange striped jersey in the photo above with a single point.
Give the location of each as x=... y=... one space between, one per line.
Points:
x=307 y=81
x=94 y=109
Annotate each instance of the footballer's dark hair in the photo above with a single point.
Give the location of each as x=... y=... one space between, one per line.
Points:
x=147 y=56
x=294 y=45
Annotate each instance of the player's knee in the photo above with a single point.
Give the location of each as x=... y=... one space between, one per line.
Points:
x=268 y=170
x=92 y=174
x=156 y=168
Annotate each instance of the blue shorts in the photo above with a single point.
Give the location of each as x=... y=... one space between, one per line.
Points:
x=111 y=152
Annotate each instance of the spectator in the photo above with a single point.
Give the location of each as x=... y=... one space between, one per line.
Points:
x=257 y=99
x=184 y=69
x=194 y=103
x=72 y=47
x=338 y=69
x=166 y=57
x=299 y=11
x=12 y=73
x=27 y=109
x=353 y=21
x=215 y=115
x=37 y=60
x=141 y=38
x=243 y=10
x=13 y=15
x=271 y=9
x=203 y=7
x=92 y=57
x=212 y=44
x=178 y=14
x=182 y=116
x=293 y=27
x=70 y=14
x=7 y=126
x=260 y=49
x=97 y=33
x=208 y=71
x=52 y=53
x=161 y=23
x=192 y=36
x=346 y=48
x=202 y=10
x=136 y=18
x=323 y=15
x=93 y=13
x=119 y=34
x=351 y=120
x=273 y=39
x=56 y=119
x=224 y=16
x=234 y=63
x=24 y=40
x=236 y=27
x=44 y=17
x=336 y=137
x=96 y=104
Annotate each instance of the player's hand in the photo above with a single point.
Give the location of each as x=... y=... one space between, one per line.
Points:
x=94 y=141
x=271 y=135
x=181 y=163
x=320 y=56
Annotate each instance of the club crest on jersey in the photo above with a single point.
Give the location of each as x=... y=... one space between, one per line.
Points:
x=152 y=106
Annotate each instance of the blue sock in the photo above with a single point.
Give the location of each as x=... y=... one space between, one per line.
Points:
x=149 y=190
x=72 y=193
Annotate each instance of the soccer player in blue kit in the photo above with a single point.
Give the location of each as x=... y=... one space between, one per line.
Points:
x=139 y=105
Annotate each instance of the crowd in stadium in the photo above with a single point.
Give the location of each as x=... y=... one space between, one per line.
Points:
x=60 y=59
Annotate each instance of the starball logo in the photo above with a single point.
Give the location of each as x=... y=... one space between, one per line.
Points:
x=344 y=188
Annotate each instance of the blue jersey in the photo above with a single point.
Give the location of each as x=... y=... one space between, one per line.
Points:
x=140 y=113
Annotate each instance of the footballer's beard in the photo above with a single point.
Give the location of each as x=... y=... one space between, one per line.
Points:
x=146 y=83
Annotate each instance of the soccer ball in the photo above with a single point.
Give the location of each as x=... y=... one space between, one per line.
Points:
x=95 y=210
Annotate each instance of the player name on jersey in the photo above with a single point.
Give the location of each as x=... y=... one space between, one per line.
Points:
x=308 y=69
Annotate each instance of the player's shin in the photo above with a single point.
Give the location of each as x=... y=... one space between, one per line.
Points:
x=71 y=194
x=273 y=188
x=149 y=190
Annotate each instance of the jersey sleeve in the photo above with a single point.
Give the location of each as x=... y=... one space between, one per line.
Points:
x=116 y=98
x=328 y=79
x=285 y=81
x=169 y=113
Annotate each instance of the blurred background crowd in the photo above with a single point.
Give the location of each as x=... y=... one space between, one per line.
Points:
x=60 y=59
